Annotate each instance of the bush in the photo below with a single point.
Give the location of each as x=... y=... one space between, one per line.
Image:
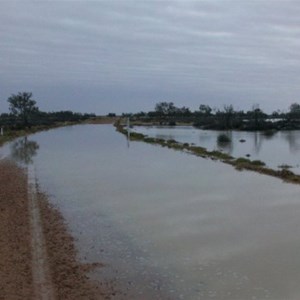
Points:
x=284 y=166
x=258 y=163
x=171 y=141
x=242 y=160
x=223 y=138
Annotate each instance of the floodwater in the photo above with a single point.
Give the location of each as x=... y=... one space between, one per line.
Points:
x=166 y=224
x=275 y=149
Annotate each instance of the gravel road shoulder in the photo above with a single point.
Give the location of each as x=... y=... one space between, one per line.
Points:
x=66 y=278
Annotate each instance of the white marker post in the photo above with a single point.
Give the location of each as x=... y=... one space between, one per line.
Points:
x=128 y=132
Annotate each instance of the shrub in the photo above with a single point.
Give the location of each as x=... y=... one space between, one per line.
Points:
x=171 y=141
x=284 y=166
x=258 y=163
x=223 y=138
x=242 y=160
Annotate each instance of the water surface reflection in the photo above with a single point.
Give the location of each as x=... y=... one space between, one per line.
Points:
x=274 y=148
x=23 y=150
x=169 y=225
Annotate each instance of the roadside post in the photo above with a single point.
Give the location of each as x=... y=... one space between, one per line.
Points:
x=128 y=132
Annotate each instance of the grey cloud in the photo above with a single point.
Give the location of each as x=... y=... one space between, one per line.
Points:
x=127 y=55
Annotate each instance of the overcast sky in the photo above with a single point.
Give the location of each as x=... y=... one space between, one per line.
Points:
x=125 y=56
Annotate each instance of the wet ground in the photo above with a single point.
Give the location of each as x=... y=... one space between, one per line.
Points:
x=22 y=262
x=166 y=224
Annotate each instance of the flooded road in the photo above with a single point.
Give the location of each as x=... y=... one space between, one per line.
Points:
x=168 y=225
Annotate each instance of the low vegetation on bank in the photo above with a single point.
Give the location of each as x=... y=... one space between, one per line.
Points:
x=240 y=163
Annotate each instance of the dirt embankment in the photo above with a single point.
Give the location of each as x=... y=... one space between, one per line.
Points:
x=68 y=277
x=15 y=247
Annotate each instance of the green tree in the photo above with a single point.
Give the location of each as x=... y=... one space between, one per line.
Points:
x=205 y=109
x=294 y=110
x=257 y=115
x=22 y=107
x=165 y=108
x=256 y=118
x=228 y=114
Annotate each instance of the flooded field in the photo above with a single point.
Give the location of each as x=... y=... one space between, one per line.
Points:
x=168 y=225
x=275 y=149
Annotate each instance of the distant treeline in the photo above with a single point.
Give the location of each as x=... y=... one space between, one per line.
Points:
x=24 y=113
x=41 y=118
x=166 y=113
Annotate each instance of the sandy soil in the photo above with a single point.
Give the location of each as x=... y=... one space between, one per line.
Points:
x=15 y=246
x=21 y=247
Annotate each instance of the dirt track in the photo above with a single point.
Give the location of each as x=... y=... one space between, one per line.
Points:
x=37 y=254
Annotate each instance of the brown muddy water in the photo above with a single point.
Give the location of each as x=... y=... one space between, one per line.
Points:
x=168 y=225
